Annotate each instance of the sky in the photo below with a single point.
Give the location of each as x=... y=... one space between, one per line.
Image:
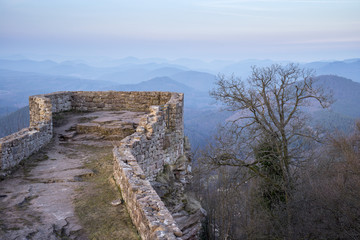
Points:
x=301 y=30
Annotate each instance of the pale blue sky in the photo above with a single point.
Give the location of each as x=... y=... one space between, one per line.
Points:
x=205 y=29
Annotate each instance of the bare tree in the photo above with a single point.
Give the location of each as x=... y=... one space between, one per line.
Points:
x=269 y=125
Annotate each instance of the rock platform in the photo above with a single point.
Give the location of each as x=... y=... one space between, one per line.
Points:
x=37 y=200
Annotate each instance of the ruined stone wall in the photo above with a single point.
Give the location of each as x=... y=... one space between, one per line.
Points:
x=112 y=100
x=147 y=211
x=40 y=108
x=60 y=101
x=138 y=159
x=20 y=145
x=158 y=140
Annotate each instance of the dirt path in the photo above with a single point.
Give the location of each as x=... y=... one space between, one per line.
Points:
x=65 y=190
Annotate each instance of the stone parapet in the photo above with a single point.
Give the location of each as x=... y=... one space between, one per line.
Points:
x=154 y=144
x=139 y=159
x=174 y=112
x=113 y=100
x=40 y=108
x=60 y=101
x=148 y=212
x=20 y=145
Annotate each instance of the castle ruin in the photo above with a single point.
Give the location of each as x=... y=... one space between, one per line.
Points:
x=157 y=145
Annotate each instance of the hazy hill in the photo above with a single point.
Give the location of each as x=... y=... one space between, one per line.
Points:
x=27 y=65
x=156 y=84
x=242 y=69
x=347 y=68
x=22 y=78
x=346 y=94
x=125 y=72
x=74 y=69
x=201 y=81
x=132 y=75
x=201 y=124
x=135 y=61
x=193 y=97
x=165 y=71
x=16 y=87
x=137 y=74
x=4 y=110
x=67 y=68
x=14 y=121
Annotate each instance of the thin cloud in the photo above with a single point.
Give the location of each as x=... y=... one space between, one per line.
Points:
x=235 y=6
x=236 y=3
x=325 y=41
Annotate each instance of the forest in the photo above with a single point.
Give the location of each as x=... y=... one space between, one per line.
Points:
x=271 y=174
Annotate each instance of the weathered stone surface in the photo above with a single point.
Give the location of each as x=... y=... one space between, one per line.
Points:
x=22 y=144
x=112 y=125
x=185 y=209
x=39 y=201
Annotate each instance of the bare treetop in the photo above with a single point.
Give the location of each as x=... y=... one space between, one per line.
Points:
x=270 y=127
x=272 y=99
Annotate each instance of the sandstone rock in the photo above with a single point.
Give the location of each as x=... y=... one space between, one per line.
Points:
x=117 y=202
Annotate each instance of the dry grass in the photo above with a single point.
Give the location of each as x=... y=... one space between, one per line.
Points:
x=99 y=218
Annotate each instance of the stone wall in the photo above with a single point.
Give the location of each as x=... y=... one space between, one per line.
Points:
x=155 y=143
x=147 y=211
x=140 y=157
x=112 y=100
x=60 y=101
x=20 y=145
x=158 y=141
x=138 y=160
x=40 y=108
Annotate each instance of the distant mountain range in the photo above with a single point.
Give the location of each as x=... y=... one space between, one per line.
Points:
x=133 y=70
x=122 y=73
x=349 y=68
x=16 y=87
x=21 y=78
x=346 y=94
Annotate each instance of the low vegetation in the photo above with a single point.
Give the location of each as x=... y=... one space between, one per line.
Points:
x=100 y=219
